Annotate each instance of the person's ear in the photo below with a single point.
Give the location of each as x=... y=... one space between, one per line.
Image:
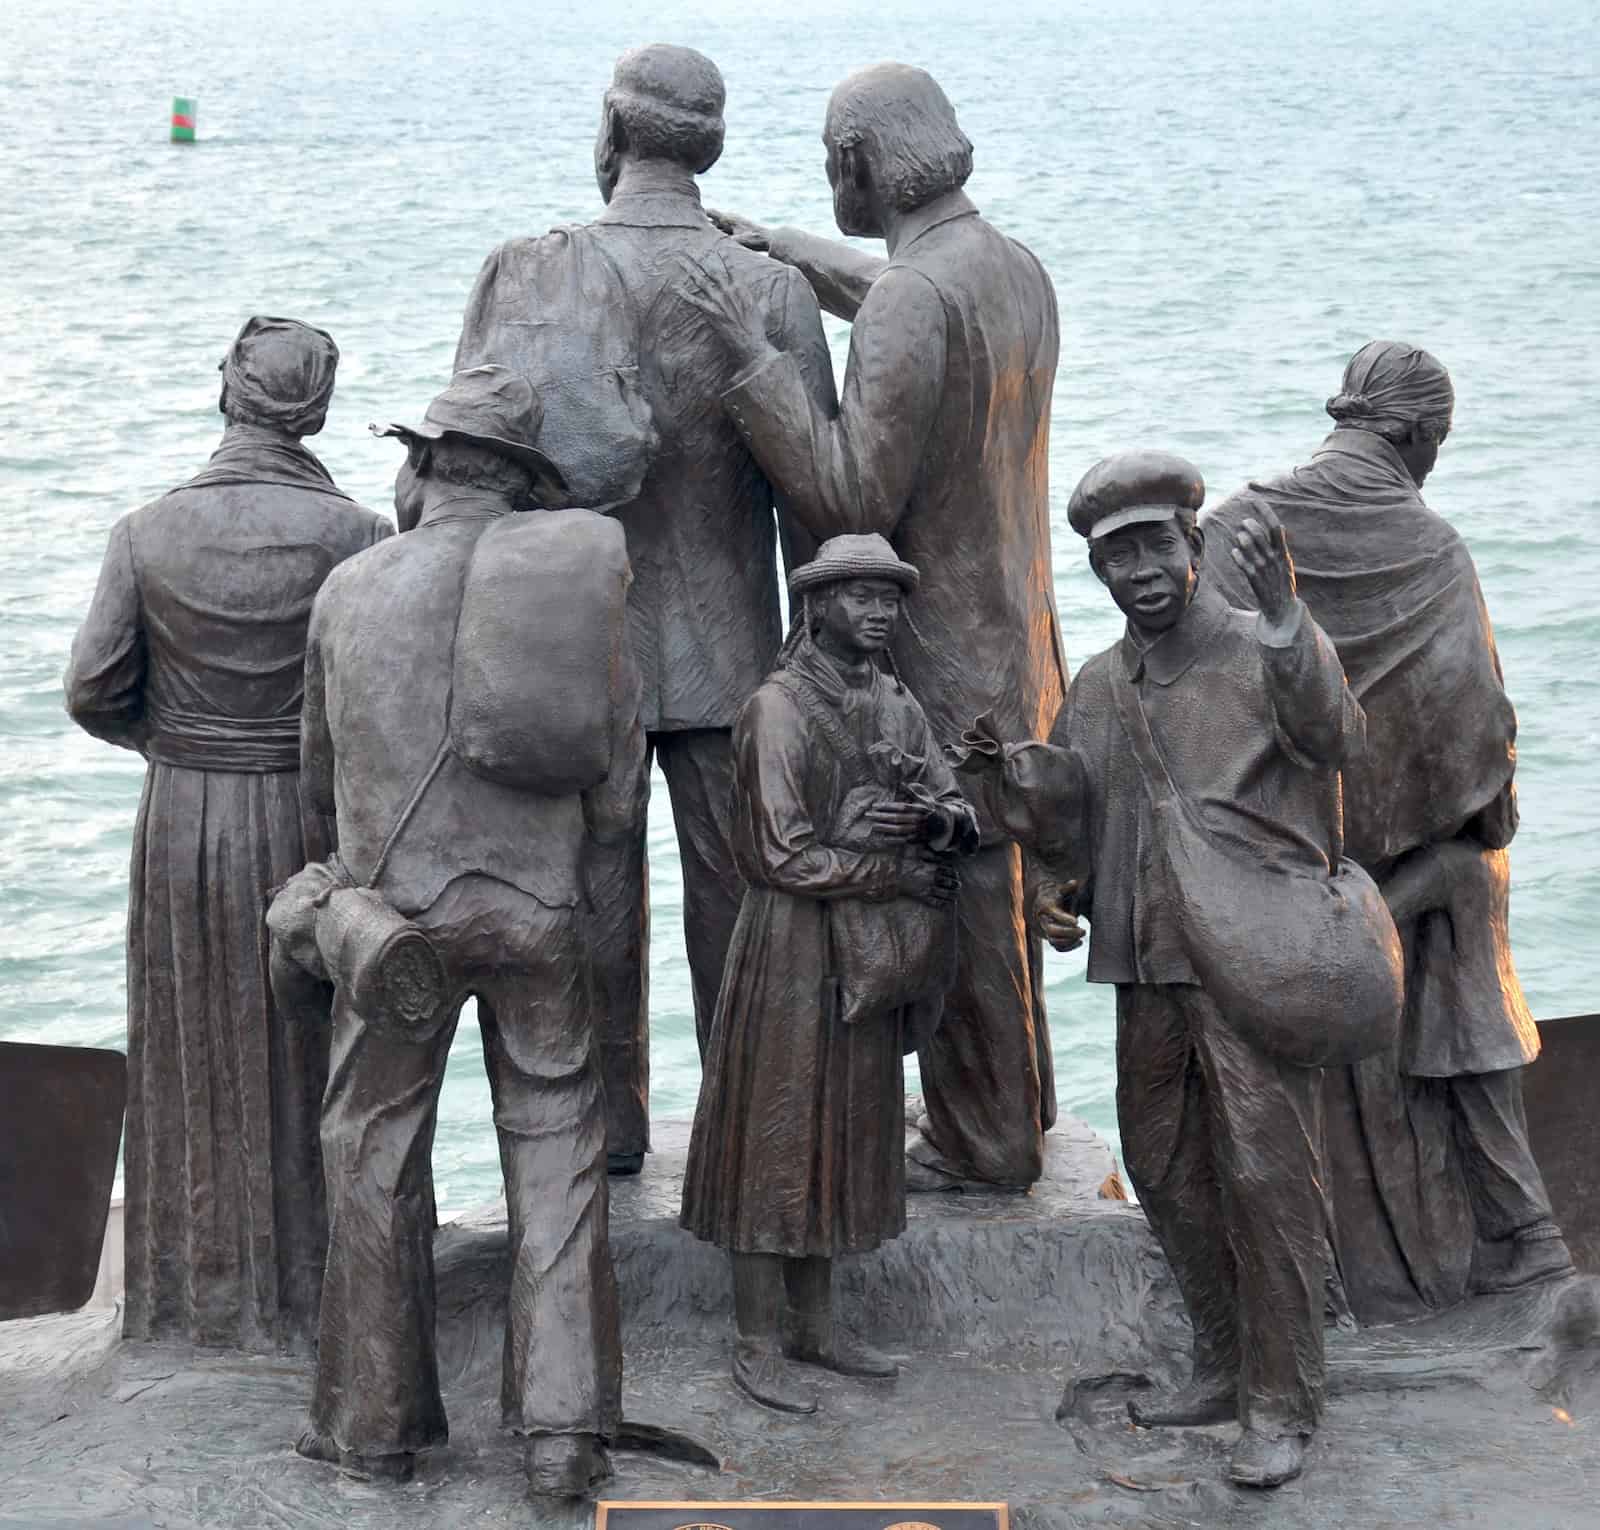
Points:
x=1197 y=543
x=853 y=169
x=420 y=454
x=615 y=134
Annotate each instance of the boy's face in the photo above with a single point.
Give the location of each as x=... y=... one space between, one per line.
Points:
x=1149 y=568
x=860 y=615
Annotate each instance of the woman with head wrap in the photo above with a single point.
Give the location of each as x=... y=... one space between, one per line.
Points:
x=192 y=655
x=1433 y=1187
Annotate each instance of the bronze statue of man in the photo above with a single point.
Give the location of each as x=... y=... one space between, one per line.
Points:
x=490 y=875
x=1210 y=739
x=846 y=822
x=192 y=655
x=698 y=510
x=940 y=441
x=1435 y=1192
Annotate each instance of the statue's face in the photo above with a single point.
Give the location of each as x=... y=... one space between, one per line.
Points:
x=853 y=209
x=859 y=616
x=1149 y=568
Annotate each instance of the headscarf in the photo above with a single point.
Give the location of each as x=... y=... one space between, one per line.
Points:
x=1389 y=388
x=279 y=372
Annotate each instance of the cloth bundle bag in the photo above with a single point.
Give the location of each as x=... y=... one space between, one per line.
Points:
x=1307 y=963
x=895 y=953
x=541 y=662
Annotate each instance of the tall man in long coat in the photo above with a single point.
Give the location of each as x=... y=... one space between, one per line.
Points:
x=192 y=655
x=1434 y=1188
x=698 y=510
x=941 y=443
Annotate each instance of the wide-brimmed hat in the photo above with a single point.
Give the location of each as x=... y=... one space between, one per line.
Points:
x=866 y=556
x=1132 y=487
x=494 y=407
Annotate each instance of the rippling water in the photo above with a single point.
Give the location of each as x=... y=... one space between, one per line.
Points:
x=1231 y=198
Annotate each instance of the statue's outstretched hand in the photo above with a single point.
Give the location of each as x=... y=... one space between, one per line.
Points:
x=753 y=236
x=1053 y=916
x=1262 y=550
x=729 y=308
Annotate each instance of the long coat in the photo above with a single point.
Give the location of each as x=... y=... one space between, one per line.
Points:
x=798 y=1143
x=192 y=654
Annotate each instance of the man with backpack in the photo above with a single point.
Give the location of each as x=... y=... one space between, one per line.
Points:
x=450 y=836
x=632 y=379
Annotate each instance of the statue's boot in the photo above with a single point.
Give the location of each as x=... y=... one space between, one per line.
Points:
x=760 y=1369
x=565 y=1465
x=399 y=1466
x=1266 y=1460
x=764 y=1375
x=1210 y=1399
x=814 y=1338
x=1538 y=1254
x=624 y=1164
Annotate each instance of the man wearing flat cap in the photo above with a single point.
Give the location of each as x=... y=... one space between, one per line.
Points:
x=192 y=655
x=650 y=441
x=1239 y=721
x=1447 y=1198
x=939 y=440
x=846 y=822
x=491 y=874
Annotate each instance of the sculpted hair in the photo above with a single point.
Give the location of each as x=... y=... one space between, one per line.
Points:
x=906 y=125
x=470 y=466
x=670 y=102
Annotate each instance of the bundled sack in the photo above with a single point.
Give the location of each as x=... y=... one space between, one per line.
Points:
x=542 y=663
x=1305 y=962
x=555 y=310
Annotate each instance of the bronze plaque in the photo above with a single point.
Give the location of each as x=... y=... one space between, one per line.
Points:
x=764 y=1515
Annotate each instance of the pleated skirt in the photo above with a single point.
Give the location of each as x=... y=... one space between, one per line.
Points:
x=226 y=1227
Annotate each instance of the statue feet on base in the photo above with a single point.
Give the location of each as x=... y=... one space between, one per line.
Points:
x=1537 y=1254
x=928 y=1170
x=397 y=1467
x=1266 y=1460
x=761 y=1372
x=565 y=1465
x=1206 y=1400
x=835 y=1351
x=623 y=1164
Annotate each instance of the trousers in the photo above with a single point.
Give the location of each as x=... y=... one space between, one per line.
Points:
x=377 y=1385
x=1220 y=1142
x=1491 y=1131
x=698 y=765
x=988 y=1081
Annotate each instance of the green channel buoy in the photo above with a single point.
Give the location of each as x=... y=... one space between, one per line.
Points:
x=183 y=115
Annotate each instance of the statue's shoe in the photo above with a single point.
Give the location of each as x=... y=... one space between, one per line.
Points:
x=1266 y=1460
x=623 y=1164
x=1211 y=1400
x=399 y=1466
x=849 y=1357
x=565 y=1465
x=1533 y=1261
x=763 y=1374
x=927 y=1170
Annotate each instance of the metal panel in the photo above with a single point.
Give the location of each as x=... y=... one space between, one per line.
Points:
x=1562 y=1093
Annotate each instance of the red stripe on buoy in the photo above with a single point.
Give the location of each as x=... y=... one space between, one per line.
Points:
x=179 y=120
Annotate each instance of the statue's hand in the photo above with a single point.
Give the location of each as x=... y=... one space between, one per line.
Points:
x=1262 y=550
x=753 y=236
x=902 y=822
x=1053 y=916
x=709 y=286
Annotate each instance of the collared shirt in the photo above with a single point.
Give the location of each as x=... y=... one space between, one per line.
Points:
x=1253 y=725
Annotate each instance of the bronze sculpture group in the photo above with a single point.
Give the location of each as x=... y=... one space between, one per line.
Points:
x=422 y=763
